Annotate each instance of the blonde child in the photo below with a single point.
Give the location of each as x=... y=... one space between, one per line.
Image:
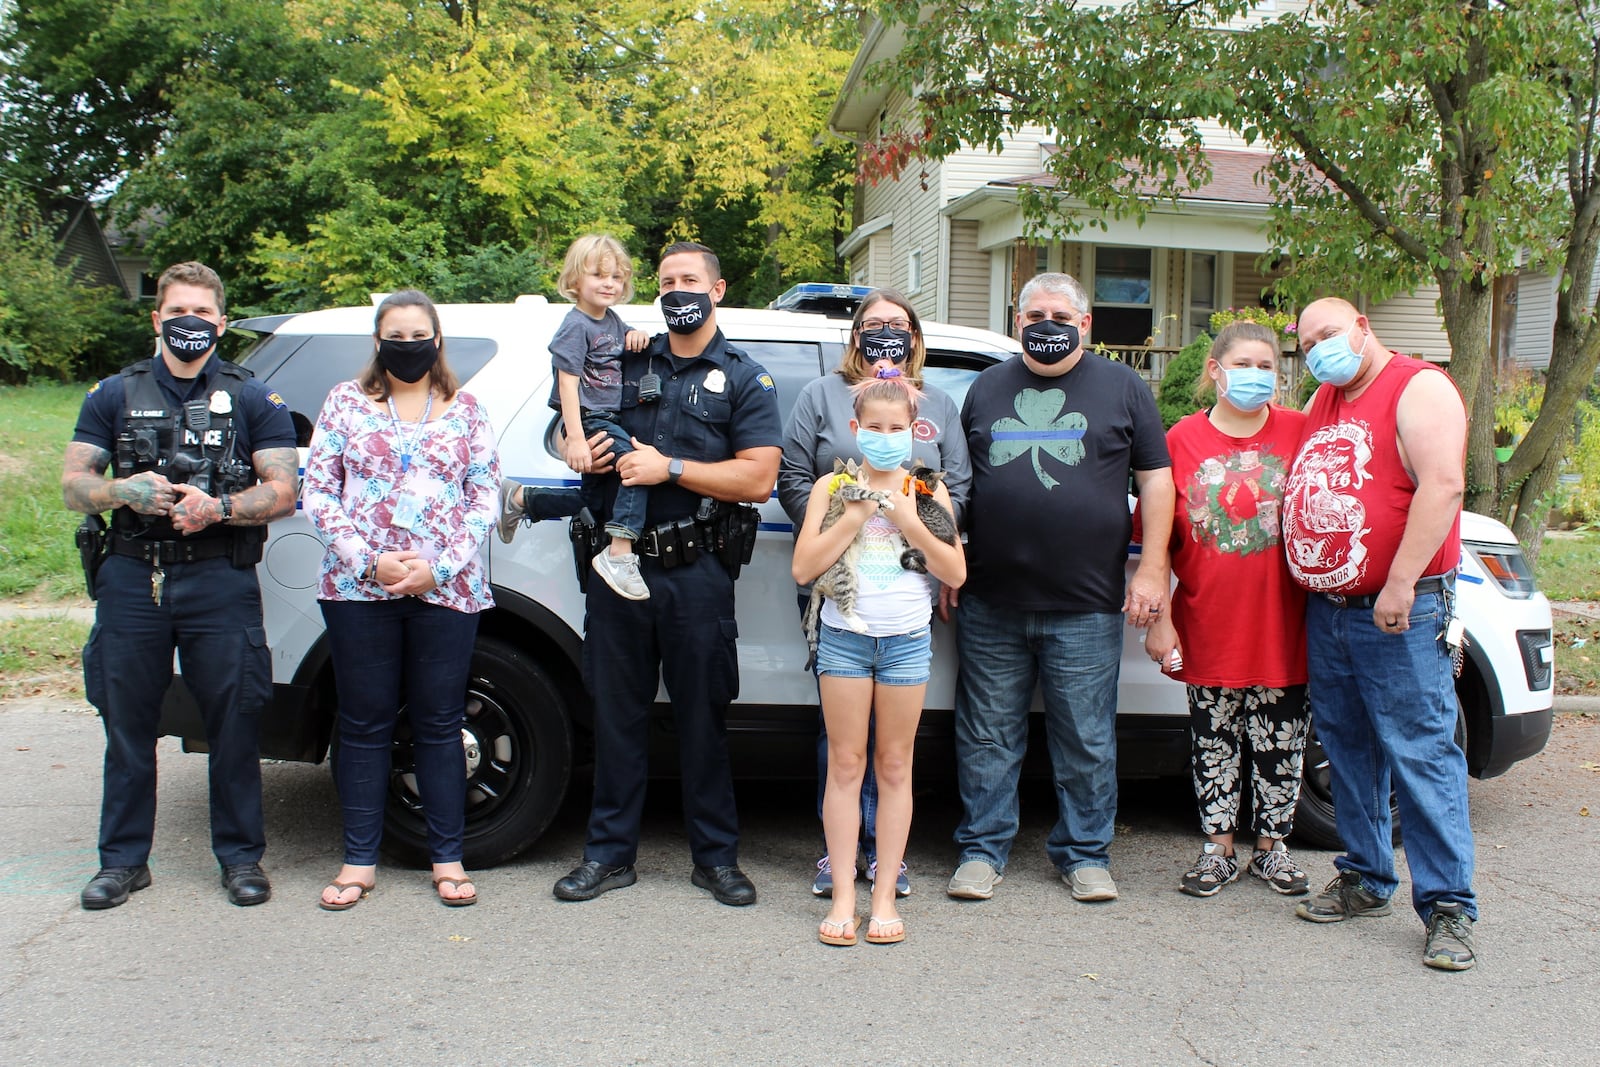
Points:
x=587 y=353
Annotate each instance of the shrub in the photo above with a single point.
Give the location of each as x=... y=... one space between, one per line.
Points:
x=1176 y=396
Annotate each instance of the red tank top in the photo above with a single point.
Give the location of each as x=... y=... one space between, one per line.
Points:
x=1349 y=494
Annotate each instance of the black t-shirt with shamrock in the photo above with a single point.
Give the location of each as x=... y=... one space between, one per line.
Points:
x=1048 y=520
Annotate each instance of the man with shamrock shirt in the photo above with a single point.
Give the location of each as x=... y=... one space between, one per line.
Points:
x=1054 y=435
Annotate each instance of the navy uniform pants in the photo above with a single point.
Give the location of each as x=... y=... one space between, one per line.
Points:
x=210 y=611
x=686 y=636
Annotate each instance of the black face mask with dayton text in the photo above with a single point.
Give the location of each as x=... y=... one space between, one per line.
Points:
x=189 y=337
x=1050 y=342
x=685 y=312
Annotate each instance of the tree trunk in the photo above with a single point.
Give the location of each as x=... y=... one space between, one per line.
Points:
x=1468 y=306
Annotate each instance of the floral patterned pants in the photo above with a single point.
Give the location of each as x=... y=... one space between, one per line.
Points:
x=1272 y=724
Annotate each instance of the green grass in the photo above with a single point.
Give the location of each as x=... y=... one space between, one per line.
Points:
x=1569 y=565
x=37 y=554
x=41 y=656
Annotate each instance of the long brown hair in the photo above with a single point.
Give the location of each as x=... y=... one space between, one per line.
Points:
x=1235 y=333
x=441 y=378
x=854 y=368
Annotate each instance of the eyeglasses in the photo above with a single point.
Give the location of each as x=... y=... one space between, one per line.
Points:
x=874 y=325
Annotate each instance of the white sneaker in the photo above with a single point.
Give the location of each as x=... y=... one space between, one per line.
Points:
x=974 y=880
x=1091 y=883
x=621 y=573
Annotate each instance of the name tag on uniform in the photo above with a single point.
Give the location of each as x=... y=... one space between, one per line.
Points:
x=407 y=510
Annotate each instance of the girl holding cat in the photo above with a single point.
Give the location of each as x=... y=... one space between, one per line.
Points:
x=883 y=670
x=886 y=332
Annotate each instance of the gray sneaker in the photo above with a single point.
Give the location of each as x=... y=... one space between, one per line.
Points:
x=1279 y=870
x=510 y=513
x=1213 y=870
x=1343 y=898
x=974 y=880
x=1091 y=883
x=1449 y=945
x=621 y=573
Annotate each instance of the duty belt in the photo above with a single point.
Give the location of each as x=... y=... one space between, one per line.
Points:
x=171 y=551
x=1433 y=584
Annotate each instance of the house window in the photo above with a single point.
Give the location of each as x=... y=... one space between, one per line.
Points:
x=914 y=273
x=1205 y=295
x=147 y=285
x=1123 y=296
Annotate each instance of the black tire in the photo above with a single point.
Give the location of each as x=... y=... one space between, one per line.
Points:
x=1314 y=821
x=518 y=745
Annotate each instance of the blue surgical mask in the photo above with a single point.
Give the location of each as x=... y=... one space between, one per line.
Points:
x=1332 y=360
x=884 y=451
x=1248 y=388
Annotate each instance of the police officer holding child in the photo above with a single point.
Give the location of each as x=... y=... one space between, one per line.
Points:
x=704 y=419
x=202 y=457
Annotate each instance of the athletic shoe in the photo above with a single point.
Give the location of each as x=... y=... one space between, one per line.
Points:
x=974 y=880
x=1278 y=869
x=822 y=885
x=621 y=573
x=510 y=513
x=1449 y=946
x=1343 y=898
x=1210 y=872
x=902 y=884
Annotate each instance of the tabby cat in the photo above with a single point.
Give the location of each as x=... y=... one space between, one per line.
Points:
x=838 y=582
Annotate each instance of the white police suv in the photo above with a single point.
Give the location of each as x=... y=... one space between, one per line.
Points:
x=528 y=719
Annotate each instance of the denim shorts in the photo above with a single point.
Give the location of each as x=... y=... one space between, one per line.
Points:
x=904 y=659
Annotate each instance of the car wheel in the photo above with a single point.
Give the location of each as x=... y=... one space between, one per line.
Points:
x=1314 y=817
x=517 y=743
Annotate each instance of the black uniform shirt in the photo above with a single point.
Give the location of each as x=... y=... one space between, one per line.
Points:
x=262 y=421
x=712 y=406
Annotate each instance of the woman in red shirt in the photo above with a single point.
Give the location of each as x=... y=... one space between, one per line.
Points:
x=1231 y=465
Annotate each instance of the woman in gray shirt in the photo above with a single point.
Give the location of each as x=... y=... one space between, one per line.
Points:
x=886 y=331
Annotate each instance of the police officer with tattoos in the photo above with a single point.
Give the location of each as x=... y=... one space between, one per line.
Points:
x=201 y=457
x=706 y=434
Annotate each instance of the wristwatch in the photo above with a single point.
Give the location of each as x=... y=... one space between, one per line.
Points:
x=227 y=507
x=674 y=470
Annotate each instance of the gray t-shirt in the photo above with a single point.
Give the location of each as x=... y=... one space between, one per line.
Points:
x=592 y=350
x=819 y=432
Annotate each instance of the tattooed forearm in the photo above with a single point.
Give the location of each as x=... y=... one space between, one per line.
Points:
x=86 y=489
x=278 y=469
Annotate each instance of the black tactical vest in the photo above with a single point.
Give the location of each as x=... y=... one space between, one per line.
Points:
x=192 y=442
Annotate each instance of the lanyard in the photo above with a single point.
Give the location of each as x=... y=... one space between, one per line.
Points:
x=406 y=446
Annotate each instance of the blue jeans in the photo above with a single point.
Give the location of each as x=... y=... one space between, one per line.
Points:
x=628 y=509
x=1077 y=658
x=1385 y=710
x=389 y=653
x=904 y=659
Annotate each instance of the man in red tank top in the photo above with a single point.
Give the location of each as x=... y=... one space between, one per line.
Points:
x=1371 y=524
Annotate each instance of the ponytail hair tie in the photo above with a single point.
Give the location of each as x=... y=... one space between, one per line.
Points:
x=889 y=372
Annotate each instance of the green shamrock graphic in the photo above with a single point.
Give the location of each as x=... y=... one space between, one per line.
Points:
x=1040 y=425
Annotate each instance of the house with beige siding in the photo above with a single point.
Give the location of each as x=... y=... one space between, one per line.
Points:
x=951 y=234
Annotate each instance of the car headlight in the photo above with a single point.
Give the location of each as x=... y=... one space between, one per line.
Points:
x=1504 y=564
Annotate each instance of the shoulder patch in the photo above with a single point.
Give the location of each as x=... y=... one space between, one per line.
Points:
x=95 y=388
x=276 y=401
x=766 y=382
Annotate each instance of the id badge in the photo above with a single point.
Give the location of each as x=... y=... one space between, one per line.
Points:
x=406 y=511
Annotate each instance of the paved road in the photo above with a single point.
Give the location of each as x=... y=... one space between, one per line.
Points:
x=660 y=974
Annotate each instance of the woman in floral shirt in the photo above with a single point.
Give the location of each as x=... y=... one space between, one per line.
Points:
x=401 y=485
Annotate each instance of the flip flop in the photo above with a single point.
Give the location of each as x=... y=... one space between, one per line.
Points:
x=455 y=902
x=846 y=935
x=346 y=905
x=877 y=924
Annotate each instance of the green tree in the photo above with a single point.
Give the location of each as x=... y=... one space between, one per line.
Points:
x=1410 y=140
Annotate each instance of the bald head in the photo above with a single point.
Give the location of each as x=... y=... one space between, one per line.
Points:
x=1326 y=318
